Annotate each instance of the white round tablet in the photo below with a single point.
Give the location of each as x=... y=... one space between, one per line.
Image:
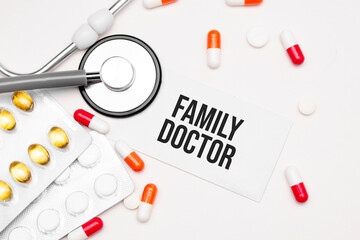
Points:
x=258 y=37
x=90 y=156
x=307 y=106
x=77 y=203
x=105 y=185
x=48 y=220
x=22 y=233
x=63 y=177
x=132 y=201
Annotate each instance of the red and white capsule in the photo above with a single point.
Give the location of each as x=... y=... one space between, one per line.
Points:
x=86 y=230
x=292 y=47
x=214 y=49
x=129 y=156
x=147 y=201
x=90 y=121
x=296 y=184
x=156 y=3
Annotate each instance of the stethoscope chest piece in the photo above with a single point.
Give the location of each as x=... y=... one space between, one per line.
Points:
x=130 y=74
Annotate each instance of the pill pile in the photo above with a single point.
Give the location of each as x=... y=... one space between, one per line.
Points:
x=39 y=141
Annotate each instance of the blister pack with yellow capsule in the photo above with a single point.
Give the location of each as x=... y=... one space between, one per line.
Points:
x=96 y=181
x=38 y=140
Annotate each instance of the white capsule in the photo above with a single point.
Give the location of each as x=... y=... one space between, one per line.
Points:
x=213 y=57
x=89 y=120
x=147 y=201
x=213 y=49
x=144 y=212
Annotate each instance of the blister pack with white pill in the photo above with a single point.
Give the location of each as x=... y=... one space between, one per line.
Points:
x=92 y=184
x=38 y=141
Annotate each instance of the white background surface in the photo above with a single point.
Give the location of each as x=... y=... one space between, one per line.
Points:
x=325 y=146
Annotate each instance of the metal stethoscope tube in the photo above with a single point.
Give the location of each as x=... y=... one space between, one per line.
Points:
x=64 y=53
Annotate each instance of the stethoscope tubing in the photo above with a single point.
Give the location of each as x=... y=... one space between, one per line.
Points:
x=65 y=53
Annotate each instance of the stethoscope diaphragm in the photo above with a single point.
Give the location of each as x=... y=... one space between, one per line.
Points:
x=130 y=73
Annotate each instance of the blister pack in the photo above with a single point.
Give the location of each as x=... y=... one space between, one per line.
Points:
x=92 y=184
x=38 y=141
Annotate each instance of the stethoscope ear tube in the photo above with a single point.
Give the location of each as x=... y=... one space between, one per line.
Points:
x=47 y=80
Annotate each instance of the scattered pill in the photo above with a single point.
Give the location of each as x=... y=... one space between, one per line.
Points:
x=5 y=191
x=77 y=203
x=129 y=156
x=213 y=49
x=156 y=3
x=7 y=120
x=292 y=47
x=307 y=106
x=23 y=101
x=38 y=154
x=296 y=184
x=58 y=137
x=89 y=120
x=20 y=172
x=20 y=233
x=48 y=220
x=90 y=156
x=105 y=185
x=243 y=2
x=132 y=201
x=86 y=230
x=64 y=176
x=147 y=201
x=258 y=37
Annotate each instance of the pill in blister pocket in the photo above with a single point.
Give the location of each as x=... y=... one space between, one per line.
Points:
x=89 y=120
x=7 y=120
x=129 y=156
x=5 y=191
x=38 y=154
x=77 y=203
x=20 y=233
x=48 y=220
x=147 y=201
x=63 y=177
x=58 y=137
x=86 y=230
x=105 y=185
x=23 y=101
x=90 y=157
x=20 y=172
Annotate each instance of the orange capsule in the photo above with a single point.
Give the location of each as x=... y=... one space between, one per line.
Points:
x=213 y=49
x=129 y=156
x=147 y=200
x=243 y=2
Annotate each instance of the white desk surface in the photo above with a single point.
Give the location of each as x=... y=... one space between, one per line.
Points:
x=325 y=146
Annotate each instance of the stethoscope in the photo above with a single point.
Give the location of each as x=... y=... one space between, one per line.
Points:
x=118 y=75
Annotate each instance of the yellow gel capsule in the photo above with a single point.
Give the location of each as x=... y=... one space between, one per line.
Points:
x=23 y=101
x=38 y=154
x=20 y=172
x=7 y=120
x=5 y=191
x=58 y=137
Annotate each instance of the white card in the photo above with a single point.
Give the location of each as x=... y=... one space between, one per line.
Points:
x=214 y=136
